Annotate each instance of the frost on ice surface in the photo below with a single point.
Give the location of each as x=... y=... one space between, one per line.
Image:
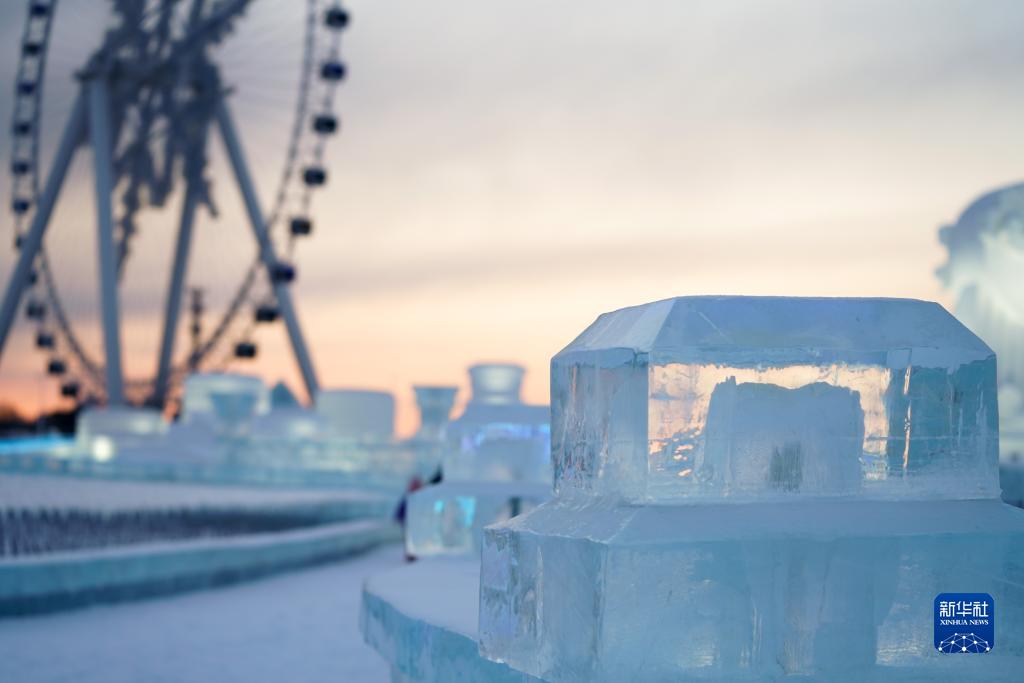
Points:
x=691 y=398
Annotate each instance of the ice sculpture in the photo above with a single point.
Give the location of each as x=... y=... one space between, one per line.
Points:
x=496 y=465
x=435 y=405
x=104 y=433
x=198 y=405
x=986 y=250
x=293 y=424
x=752 y=488
x=282 y=397
x=358 y=414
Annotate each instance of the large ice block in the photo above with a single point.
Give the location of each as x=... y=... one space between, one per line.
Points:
x=448 y=518
x=761 y=488
x=429 y=634
x=635 y=393
x=358 y=414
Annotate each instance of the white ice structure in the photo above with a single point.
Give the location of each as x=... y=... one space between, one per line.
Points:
x=200 y=389
x=496 y=465
x=230 y=431
x=986 y=254
x=760 y=488
x=103 y=433
x=357 y=413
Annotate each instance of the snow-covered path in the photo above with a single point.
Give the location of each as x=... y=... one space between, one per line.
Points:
x=296 y=627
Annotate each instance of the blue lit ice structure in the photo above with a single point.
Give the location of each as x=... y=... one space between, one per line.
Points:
x=758 y=488
x=361 y=440
x=497 y=465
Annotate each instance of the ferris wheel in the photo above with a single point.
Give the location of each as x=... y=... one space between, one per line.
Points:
x=148 y=102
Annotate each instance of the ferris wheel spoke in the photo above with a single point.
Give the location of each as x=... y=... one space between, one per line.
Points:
x=33 y=239
x=267 y=252
x=195 y=191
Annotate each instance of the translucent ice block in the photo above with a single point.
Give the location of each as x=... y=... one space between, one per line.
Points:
x=358 y=414
x=705 y=397
x=448 y=518
x=496 y=464
x=756 y=488
x=422 y=619
x=837 y=590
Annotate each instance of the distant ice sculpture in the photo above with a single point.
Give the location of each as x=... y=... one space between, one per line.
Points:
x=986 y=253
x=232 y=430
x=496 y=465
x=282 y=397
x=198 y=404
x=105 y=433
x=217 y=410
x=754 y=488
x=498 y=437
x=435 y=405
x=358 y=414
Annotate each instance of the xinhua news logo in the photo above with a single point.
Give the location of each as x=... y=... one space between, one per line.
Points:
x=965 y=623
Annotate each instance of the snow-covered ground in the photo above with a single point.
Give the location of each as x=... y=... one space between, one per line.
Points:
x=301 y=626
x=33 y=491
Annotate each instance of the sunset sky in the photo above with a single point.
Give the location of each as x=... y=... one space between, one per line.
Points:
x=509 y=170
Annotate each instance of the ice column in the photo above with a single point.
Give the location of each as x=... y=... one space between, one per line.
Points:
x=435 y=404
x=756 y=488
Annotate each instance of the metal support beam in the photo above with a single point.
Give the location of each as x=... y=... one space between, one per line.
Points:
x=266 y=246
x=33 y=239
x=102 y=149
x=193 y=193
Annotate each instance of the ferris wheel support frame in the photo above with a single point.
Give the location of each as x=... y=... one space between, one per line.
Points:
x=266 y=246
x=103 y=171
x=194 y=184
x=90 y=121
